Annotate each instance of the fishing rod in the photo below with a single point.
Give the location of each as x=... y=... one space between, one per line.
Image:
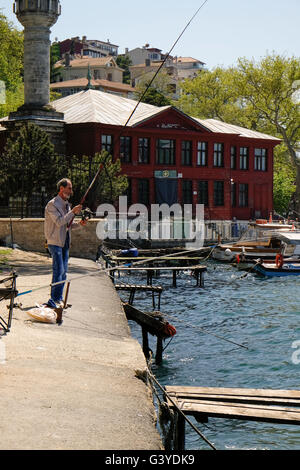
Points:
x=103 y=164
x=106 y=270
x=52 y=284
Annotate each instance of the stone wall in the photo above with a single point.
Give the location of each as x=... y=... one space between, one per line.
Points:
x=28 y=234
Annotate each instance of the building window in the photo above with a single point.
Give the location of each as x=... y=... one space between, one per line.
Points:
x=203 y=192
x=165 y=152
x=233 y=194
x=260 y=159
x=187 y=192
x=219 y=193
x=219 y=155
x=244 y=158
x=233 y=157
x=125 y=149
x=143 y=191
x=202 y=153
x=144 y=150
x=186 y=152
x=243 y=195
x=107 y=143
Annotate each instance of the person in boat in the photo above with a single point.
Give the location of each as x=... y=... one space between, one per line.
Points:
x=59 y=221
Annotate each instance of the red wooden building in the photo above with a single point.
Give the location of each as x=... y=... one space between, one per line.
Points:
x=171 y=157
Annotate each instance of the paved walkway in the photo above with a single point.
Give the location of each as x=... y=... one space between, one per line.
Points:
x=73 y=386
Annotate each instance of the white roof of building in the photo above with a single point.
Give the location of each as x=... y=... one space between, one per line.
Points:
x=218 y=126
x=105 y=108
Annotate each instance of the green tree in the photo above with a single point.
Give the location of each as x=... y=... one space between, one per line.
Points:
x=155 y=97
x=110 y=184
x=13 y=99
x=54 y=58
x=11 y=66
x=159 y=93
x=212 y=95
x=256 y=95
x=268 y=89
x=124 y=62
x=27 y=164
x=11 y=54
x=284 y=181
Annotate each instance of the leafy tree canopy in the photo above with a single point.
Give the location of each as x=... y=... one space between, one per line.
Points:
x=124 y=62
x=159 y=93
x=257 y=95
x=11 y=54
x=11 y=67
x=110 y=184
x=27 y=164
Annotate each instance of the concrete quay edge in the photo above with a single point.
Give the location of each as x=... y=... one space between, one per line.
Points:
x=73 y=386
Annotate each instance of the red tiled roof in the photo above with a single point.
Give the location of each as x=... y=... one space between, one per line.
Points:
x=82 y=82
x=86 y=61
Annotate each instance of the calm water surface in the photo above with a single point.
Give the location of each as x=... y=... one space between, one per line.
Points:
x=261 y=314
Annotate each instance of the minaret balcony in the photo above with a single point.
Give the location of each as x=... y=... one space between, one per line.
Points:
x=36 y=6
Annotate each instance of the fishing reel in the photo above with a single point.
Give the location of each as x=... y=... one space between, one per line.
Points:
x=86 y=214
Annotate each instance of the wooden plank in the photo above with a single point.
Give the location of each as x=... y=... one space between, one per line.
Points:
x=189 y=404
x=237 y=399
x=138 y=287
x=185 y=390
x=138 y=258
x=158 y=268
x=287 y=416
x=153 y=325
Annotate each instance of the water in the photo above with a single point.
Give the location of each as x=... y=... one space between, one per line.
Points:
x=261 y=314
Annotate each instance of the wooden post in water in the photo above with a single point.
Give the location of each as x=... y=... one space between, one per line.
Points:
x=159 y=350
x=174 y=277
x=145 y=343
x=179 y=441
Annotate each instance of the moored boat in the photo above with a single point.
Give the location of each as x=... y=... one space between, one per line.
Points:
x=291 y=268
x=282 y=266
x=259 y=241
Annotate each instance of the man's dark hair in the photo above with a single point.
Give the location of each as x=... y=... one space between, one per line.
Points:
x=63 y=182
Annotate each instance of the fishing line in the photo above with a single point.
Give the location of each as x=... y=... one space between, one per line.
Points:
x=203 y=330
x=142 y=97
x=170 y=255
x=164 y=61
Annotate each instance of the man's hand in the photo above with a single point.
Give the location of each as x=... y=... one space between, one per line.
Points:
x=83 y=222
x=77 y=209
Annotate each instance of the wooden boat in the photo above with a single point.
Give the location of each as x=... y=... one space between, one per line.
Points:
x=291 y=268
x=281 y=266
x=259 y=241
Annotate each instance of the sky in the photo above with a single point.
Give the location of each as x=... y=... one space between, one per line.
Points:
x=222 y=31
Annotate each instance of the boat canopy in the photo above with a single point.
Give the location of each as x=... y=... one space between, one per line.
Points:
x=292 y=238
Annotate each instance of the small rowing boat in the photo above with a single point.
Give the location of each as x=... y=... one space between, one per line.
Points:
x=281 y=266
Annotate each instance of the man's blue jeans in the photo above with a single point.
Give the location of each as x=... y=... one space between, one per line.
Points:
x=60 y=258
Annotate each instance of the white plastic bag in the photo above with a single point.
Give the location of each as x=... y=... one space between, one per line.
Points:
x=43 y=314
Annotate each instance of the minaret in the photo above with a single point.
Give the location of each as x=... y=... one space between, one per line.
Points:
x=37 y=16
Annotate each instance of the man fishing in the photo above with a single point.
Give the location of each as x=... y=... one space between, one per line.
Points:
x=59 y=221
